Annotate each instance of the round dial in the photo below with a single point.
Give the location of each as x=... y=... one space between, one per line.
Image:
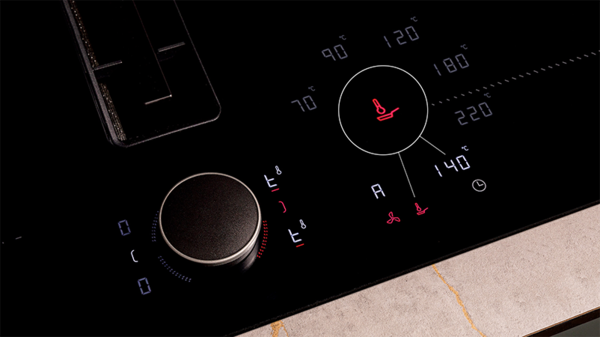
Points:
x=383 y=110
x=212 y=219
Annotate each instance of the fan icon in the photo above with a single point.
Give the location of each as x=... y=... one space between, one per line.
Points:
x=393 y=218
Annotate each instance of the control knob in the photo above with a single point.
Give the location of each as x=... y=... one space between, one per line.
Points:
x=211 y=219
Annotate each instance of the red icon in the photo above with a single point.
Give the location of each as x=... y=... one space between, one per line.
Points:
x=283 y=206
x=263 y=245
x=381 y=111
x=419 y=211
x=393 y=218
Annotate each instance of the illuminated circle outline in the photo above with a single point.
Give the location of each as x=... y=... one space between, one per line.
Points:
x=473 y=185
x=383 y=154
x=243 y=251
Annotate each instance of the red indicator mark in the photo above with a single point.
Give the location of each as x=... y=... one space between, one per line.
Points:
x=283 y=206
x=300 y=245
x=387 y=116
x=419 y=211
x=393 y=218
x=275 y=190
x=263 y=246
x=381 y=111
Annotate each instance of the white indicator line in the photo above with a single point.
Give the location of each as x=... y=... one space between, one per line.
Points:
x=433 y=146
x=173 y=46
x=411 y=189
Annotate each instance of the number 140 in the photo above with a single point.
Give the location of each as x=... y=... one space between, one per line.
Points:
x=466 y=165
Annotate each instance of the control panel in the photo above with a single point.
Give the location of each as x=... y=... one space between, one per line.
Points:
x=215 y=167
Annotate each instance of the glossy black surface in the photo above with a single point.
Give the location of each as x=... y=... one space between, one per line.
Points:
x=65 y=188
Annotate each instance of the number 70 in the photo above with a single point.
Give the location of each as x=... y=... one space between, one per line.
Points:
x=307 y=103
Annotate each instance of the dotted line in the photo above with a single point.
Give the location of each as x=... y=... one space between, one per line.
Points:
x=166 y=265
x=521 y=76
x=263 y=246
x=154 y=224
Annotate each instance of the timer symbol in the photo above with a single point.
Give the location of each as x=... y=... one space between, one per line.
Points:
x=479 y=185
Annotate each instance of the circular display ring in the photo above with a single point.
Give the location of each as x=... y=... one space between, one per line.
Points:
x=383 y=110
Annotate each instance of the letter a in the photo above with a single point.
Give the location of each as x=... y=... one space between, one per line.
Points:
x=378 y=190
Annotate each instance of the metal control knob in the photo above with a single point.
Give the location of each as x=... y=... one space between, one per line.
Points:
x=212 y=219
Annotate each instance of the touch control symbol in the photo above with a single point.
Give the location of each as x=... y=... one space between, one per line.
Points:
x=392 y=218
x=269 y=181
x=381 y=111
x=284 y=209
x=387 y=116
x=124 y=227
x=378 y=190
x=145 y=287
x=293 y=238
x=370 y=93
x=133 y=258
x=419 y=210
x=479 y=185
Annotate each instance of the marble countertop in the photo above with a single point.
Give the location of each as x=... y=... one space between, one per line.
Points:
x=512 y=287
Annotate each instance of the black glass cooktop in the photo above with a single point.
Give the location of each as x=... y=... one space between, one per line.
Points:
x=209 y=168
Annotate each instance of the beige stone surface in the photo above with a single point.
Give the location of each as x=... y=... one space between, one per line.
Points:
x=511 y=287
